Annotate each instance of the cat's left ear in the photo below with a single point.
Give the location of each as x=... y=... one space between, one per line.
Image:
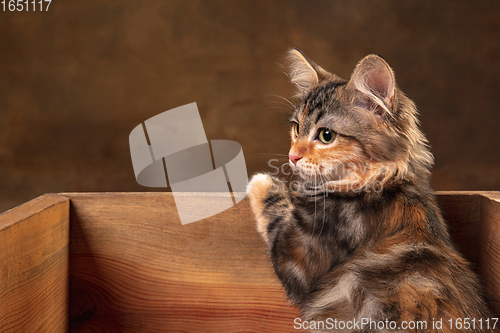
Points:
x=375 y=80
x=304 y=73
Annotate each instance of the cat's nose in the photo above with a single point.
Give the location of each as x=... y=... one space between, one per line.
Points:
x=294 y=157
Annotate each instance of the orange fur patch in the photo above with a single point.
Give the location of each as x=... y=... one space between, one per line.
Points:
x=318 y=158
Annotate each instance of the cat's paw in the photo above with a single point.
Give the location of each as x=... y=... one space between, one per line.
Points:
x=261 y=187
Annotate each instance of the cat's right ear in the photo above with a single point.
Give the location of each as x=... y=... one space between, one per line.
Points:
x=303 y=72
x=374 y=78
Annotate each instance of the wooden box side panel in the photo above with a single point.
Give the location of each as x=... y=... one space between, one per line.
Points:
x=135 y=268
x=489 y=246
x=461 y=212
x=34 y=257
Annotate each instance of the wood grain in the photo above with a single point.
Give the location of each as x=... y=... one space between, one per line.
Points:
x=135 y=268
x=461 y=212
x=474 y=221
x=34 y=255
x=489 y=245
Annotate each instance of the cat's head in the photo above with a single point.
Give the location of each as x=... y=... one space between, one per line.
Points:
x=354 y=132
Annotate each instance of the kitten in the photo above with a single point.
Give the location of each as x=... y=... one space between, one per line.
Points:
x=361 y=237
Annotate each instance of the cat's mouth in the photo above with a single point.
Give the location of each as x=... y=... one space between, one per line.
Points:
x=347 y=176
x=318 y=173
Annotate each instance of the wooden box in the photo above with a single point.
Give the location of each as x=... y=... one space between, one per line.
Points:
x=122 y=262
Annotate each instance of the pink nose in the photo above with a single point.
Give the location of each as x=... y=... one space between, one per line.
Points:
x=294 y=157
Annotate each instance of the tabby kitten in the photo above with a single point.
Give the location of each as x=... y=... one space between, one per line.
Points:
x=361 y=236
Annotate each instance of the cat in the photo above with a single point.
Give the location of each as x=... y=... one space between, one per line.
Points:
x=361 y=237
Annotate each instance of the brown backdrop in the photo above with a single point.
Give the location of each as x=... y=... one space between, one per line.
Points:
x=75 y=80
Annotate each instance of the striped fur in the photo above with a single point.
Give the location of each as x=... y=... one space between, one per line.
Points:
x=363 y=237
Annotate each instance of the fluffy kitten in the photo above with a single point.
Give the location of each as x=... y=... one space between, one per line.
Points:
x=360 y=235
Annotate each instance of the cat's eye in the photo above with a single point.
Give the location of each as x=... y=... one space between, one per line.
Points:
x=326 y=136
x=296 y=129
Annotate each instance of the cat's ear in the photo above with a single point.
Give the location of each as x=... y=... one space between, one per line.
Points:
x=375 y=80
x=304 y=73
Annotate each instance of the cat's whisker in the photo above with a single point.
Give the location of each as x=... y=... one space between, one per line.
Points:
x=324 y=213
x=276 y=108
x=280 y=103
x=315 y=200
x=283 y=98
x=272 y=154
